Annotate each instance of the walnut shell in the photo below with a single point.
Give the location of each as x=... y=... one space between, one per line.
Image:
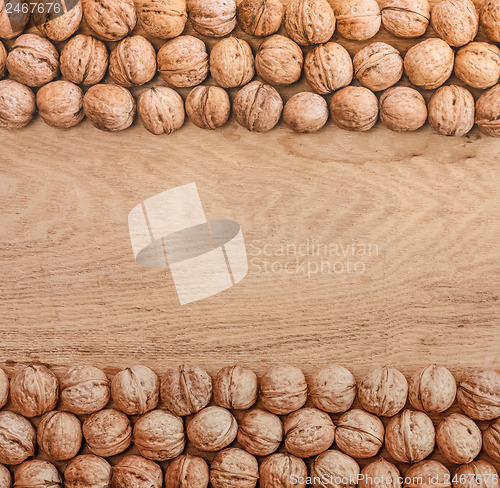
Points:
x=17 y=436
x=231 y=62
x=309 y=21
x=260 y=432
x=433 y=388
x=491 y=441
x=458 y=438
x=478 y=474
x=159 y=435
x=488 y=120
x=479 y=390
x=59 y=26
x=354 y=108
x=402 y=109
x=279 y=60
x=187 y=472
x=478 y=64
x=490 y=19
x=336 y=468
x=59 y=435
x=380 y=474
x=87 y=471
x=427 y=474
x=455 y=21
x=5 y=477
x=260 y=17
x=212 y=18
x=183 y=61
x=235 y=387
x=186 y=389
x=451 y=113
x=234 y=468
x=17 y=107
x=13 y=23
x=107 y=432
x=358 y=19
x=110 y=20
x=328 y=67
x=165 y=19
x=84 y=389
x=306 y=112
x=208 y=107
x=35 y=474
x=258 y=107
x=406 y=18
x=378 y=66
x=137 y=472
x=33 y=60
x=132 y=62
x=282 y=470
x=3 y=60
x=4 y=386
x=212 y=429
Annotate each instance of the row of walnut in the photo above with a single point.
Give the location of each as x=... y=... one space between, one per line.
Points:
x=308 y=432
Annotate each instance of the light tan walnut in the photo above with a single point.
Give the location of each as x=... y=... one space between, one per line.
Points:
x=478 y=64
x=479 y=390
x=110 y=20
x=14 y=17
x=309 y=21
x=402 y=109
x=332 y=389
x=165 y=19
x=212 y=18
x=428 y=474
x=212 y=429
x=358 y=19
x=5 y=477
x=87 y=471
x=56 y=25
x=18 y=438
x=17 y=105
x=234 y=468
x=3 y=60
x=260 y=433
x=491 y=441
x=340 y=470
x=406 y=18
x=478 y=474
x=282 y=470
x=354 y=108
x=380 y=474
x=235 y=387
x=490 y=19
x=36 y=473
x=306 y=112
x=187 y=472
x=455 y=21
x=59 y=434
x=260 y=17
x=4 y=388
x=488 y=120
x=138 y=472
x=208 y=107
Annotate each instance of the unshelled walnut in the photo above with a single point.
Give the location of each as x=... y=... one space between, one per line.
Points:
x=33 y=60
x=260 y=432
x=332 y=389
x=339 y=469
x=383 y=391
x=84 y=389
x=231 y=62
x=187 y=472
x=455 y=21
x=161 y=110
x=402 y=109
x=479 y=390
x=491 y=441
x=451 y=113
x=18 y=438
x=138 y=472
x=258 y=107
x=260 y=17
x=478 y=64
x=378 y=66
x=429 y=63
x=458 y=438
x=183 y=61
x=5 y=477
x=107 y=432
x=60 y=104
x=406 y=18
x=56 y=25
x=354 y=108
x=186 y=389
x=282 y=470
x=212 y=18
x=279 y=60
x=110 y=20
x=212 y=429
x=36 y=473
x=14 y=16
x=59 y=434
x=4 y=379
x=306 y=112
x=358 y=19
x=488 y=120
x=208 y=107
x=328 y=67
x=380 y=474
x=427 y=474
x=433 y=388
x=165 y=19
x=132 y=62
x=478 y=474
x=234 y=468
x=309 y=21
x=490 y=19
x=87 y=471
x=235 y=387
x=3 y=60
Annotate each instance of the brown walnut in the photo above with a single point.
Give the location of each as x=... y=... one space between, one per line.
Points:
x=138 y=472
x=55 y=25
x=4 y=388
x=428 y=474
x=208 y=107
x=235 y=387
x=234 y=468
x=282 y=470
x=380 y=474
x=338 y=468
x=187 y=472
x=35 y=474
x=491 y=441
x=260 y=17
x=354 y=108
x=478 y=474
x=18 y=437
x=5 y=477
x=212 y=18
x=17 y=106
x=59 y=435
x=306 y=112
x=402 y=109
x=469 y=396
x=309 y=21
x=164 y=19
x=406 y=18
x=87 y=471
x=332 y=389
x=478 y=64
x=13 y=24
x=455 y=21
x=479 y=390
x=260 y=432
x=110 y=20
x=358 y=19
x=212 y=429
x=490 y=19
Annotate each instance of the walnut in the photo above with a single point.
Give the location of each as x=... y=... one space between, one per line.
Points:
x=451 y=113
x=165 y=19
x=433 y=388
x=402 y=109
x=491 y=441
x=406 y=18
x=258 y=107
x=428 y=474
x=354 y=108
x=3 y=60
x=17 y=437
x=186 y=389
x=309 y=21
x=488 y=120
x=84 y=389
x=84 y=60
x=36 y=473
x=479 y=390
x=17 y=105
x=183 y=61
x=58 y=26
x=132 y=62
x=306 y=112
x=5 y=477
x=260 y=17
x=279 y=60
x=187 y=472
x=282 y=470
x=107 y=432
x=33 y=60
x=235 y=387
x=455 y=21
x=458 y=438
x=59 y=435
x=260 y=432
x=333 y=389
x=13 y=23
x=490 y=19
x=4 y=388
x=380 y=474
x=429 y=63
x=328 y=67
x=87 y=471
x=378 y=66
x=231 y=62
x=137 y=472
x=110 y=20
x=234 y=468
x=208 y=107
x=212 y=429
x=478 y=64
x=478 y=474
x=358 y=19
x=340 y=470
x=212 y=18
